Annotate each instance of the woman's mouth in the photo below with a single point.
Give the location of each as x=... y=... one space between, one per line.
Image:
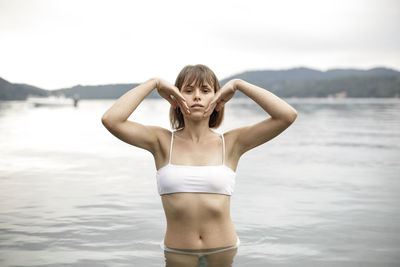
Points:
x=197 y=106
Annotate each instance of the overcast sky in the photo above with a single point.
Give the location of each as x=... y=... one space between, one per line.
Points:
x=61 y=43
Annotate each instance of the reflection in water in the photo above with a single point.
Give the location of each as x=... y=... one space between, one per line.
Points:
x=200 y=258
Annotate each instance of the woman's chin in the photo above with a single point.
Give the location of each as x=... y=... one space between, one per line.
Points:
x=196 y=116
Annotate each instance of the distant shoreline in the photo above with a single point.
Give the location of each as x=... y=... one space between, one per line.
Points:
x=296 y=82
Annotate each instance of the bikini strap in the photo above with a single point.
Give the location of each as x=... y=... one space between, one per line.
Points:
x=170 y=149
x=223 y=149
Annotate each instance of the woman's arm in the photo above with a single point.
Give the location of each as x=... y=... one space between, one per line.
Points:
x=282 y=115
x=127 y=103
x=273 y=105
x=115 y=119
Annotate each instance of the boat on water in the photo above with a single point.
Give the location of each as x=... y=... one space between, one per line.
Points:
x=53 y=101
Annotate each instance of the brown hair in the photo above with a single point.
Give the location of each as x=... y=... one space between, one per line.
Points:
x=200 y=74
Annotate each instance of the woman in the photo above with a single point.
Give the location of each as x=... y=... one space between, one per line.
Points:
x=195 y=165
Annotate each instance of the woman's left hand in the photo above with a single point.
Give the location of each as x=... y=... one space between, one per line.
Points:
x=221 y=97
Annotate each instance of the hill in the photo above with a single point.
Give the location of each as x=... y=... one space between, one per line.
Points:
x=304 y=82
x=295 y=82
x=15 y=91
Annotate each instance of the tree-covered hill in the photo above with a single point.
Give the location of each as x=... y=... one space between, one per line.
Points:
x=15 y=91
x=304 y=82
x=295 y=82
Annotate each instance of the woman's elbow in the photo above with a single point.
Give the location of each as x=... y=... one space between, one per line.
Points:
x=291 y=117
x=294 y=116
x=106 y=121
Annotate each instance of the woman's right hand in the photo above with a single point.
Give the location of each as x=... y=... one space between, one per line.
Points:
x=171 y=94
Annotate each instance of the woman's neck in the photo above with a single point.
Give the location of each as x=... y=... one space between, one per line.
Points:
x=196 y=130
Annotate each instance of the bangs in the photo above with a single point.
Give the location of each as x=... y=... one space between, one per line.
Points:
x=199 y=78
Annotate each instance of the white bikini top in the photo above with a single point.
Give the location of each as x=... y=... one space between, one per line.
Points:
x=215 y=179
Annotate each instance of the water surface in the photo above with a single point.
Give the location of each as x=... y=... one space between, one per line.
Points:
x=326 y=192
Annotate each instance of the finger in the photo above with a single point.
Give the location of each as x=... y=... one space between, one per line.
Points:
x=182 y=105
x=210 y=109
x=172 y=102
x=184 y=109
x=185 y=106
x=211 y=105
x=181 y=100
x=179 y=96
x=207 y=109
x=220 y=106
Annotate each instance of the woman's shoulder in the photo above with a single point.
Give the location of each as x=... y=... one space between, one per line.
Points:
x=230 y=134
x=231 y=138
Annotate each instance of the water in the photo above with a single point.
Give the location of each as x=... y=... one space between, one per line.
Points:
x=323 y=193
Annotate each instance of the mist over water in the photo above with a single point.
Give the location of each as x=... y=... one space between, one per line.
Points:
x=326 y=192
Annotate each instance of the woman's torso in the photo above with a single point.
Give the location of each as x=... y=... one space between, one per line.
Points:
x=196 y=220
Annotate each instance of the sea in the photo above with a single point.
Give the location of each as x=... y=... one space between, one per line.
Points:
x=325 y=192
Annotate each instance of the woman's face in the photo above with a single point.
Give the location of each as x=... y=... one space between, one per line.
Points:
x=197 y=97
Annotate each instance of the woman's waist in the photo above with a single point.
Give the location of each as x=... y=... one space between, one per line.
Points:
x=197 y=218
x=205 y=235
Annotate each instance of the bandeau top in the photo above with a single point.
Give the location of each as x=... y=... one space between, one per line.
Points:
x=215 y=179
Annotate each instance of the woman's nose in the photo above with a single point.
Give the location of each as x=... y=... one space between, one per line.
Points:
x=197 y=93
